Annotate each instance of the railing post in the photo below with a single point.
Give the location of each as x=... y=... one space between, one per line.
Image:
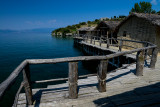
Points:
x=91 y=40
x=83 y=38
x=146 y=51
x=120 y=45
x=140 y=63
x=102 y=75
x=108 y=43
x=86 y=38
x=73 y=77
x=100 y=42
x=27 y=85
x=154 y=58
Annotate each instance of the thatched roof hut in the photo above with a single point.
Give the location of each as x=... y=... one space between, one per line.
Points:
x=111 y=25
x=85 y=30
x=107 y=28
x=140 y=26
x=154 y=19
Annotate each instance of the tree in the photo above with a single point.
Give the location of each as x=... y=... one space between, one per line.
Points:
x=82 y=23
x=142 y=7
x=122 y=16
x=89 y=22
x=158 y=12
x=153 y=12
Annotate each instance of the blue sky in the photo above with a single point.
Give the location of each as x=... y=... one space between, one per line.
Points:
x=30 y=14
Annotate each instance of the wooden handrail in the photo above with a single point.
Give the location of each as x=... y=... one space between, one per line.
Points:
x=11 y=79
x=24 y=66
x=85 y=58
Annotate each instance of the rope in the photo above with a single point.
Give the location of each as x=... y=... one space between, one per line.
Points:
x=102 y=80
x=73 y=83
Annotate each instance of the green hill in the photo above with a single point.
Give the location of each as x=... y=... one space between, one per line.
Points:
x=73 y=28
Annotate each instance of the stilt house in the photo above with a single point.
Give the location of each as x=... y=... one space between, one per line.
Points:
x=141 y=27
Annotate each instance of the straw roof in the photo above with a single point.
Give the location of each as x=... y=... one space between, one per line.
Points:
x=86 y=29
x=152 y=18
x=109 y=24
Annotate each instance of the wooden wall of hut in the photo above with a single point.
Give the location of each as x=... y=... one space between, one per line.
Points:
x=158 y=38
x=137 y=29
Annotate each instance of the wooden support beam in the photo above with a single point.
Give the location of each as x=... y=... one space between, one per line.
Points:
x=100 y=41
x=146 y=51
x=120 y=45
x=27 y=85
x=108 y=43
x=140 y=63
x=91 y=40
x=86 y=38
x=111 y=37
x=102 y=75
x=94 y=40
x=154 y=58
x=73 y=78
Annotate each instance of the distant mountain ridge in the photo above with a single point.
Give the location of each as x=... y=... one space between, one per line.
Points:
x=43 y=30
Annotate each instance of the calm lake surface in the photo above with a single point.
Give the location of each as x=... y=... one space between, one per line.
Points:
x=16 y=47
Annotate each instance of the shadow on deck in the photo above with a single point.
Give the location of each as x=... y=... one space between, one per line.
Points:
x=148 y=96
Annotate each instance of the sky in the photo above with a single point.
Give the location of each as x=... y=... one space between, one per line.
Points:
x=31 y=14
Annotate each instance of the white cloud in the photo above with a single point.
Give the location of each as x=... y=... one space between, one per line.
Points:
x=154 y=2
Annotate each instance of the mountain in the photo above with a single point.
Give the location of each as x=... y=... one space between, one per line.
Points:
x=7 y=31
x=38 y=30
x=42 y=30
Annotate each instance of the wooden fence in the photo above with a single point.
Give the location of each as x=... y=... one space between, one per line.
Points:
x=73 y=70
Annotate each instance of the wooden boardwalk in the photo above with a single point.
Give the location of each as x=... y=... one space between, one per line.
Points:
x=111 y=49
x=124 y=88
x=134 y=85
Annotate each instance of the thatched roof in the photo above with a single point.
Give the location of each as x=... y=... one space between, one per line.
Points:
x=152 y=18
x=109 y=24
x=86 y=29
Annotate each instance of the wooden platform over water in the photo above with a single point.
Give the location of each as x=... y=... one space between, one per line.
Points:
x=124 y=88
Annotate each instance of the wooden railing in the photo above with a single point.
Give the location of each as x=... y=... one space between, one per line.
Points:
x=115 y=42
x=73 y=71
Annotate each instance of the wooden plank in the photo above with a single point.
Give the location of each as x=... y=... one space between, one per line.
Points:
x=61 y=79
x=140 y=63
x=73 y=77
x=154 y=58
x=102 y=75
x=27 y=85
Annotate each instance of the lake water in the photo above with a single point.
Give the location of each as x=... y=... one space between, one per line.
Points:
x=16 y=47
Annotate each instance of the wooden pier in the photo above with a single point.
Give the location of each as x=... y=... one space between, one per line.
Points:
x=123 y=88
x=92 y=90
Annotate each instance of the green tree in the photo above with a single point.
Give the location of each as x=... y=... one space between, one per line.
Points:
x=158 y=12
x=89 y=22
x=82 y=23
x=122 y=16
x=142 y=7
x=153 y=12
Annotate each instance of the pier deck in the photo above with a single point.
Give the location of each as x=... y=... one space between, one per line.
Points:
x=111 y=49
x=124 y=88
